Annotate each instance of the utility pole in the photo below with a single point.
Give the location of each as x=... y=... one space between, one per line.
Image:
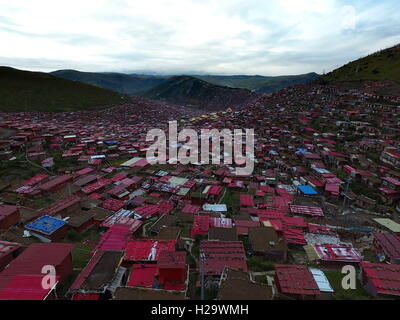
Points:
x=345 y=195
x=69 y=189
x=202 y=264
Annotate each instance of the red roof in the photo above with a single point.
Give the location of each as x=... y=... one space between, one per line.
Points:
x=242 y=226
x=276 y=224
x=119 y=177
x=332 y=188
x=59 y=206
x=127 y=182
x=294 y=236
x=7 y=248
x=394 y=154
x=142 y=275
x=115 y=238
x=267 y=189
x=391 y=180
x=337 y=252
x=384 y=277
x=84 y=171
x=117 y=217
x=220 y=222
x=27 y=190
x=140 y=163
x=85 y=180
x=148 y=249
x=172 y=270
x=390 y=244
x=295 y=279
x=388 y=191
x=55 y=182
x=290 y=227
x=306 y=210
x=113 y=204
x=260 y=193
x=294 y=222
x=246 y=200
x=282 y=202
x=320 y=229
x=96 y=186
x=215 y=190
x=200 y=226
x=35 y=179
x=117 y=190
x=165 y=207
x=32 y=260
x=6 y=210
x=221 y=254
x=265 y=214
x=25 y=287
x=147 y=211
x=188 y=208
x=172 y=260
x=108 y=170
x=334 y=180
x=95 y=195
x=317 y=183
x=227 y=180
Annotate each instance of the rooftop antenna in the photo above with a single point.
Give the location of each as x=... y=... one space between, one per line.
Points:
x=202 y=265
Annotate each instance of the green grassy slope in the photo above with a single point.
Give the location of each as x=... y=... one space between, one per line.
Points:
x=36 y=91
x=383 y=65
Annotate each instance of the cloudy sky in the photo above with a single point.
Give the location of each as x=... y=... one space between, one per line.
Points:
x=267 y=37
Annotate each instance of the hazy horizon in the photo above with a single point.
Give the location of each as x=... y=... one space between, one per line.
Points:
x=161 y=74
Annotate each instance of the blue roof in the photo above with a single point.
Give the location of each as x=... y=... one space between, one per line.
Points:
x=46 y=225
x=110 y=142
x=308 y=190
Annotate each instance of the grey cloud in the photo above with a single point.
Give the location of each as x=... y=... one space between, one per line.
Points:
x=80 y=39
x=150 y=46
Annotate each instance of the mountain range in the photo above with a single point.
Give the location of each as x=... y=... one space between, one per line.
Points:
x=68 y=90
x=120 y=82
x=133 y=83
x=194 y=92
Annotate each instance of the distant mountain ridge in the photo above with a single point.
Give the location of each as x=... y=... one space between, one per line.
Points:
x=261 y=84
x=191 y=91
x=124 y=83
x=133 y=83
x=36 y=91
x=382 y=65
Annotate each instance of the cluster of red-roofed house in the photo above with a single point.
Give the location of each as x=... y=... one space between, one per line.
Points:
x=317 y=201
